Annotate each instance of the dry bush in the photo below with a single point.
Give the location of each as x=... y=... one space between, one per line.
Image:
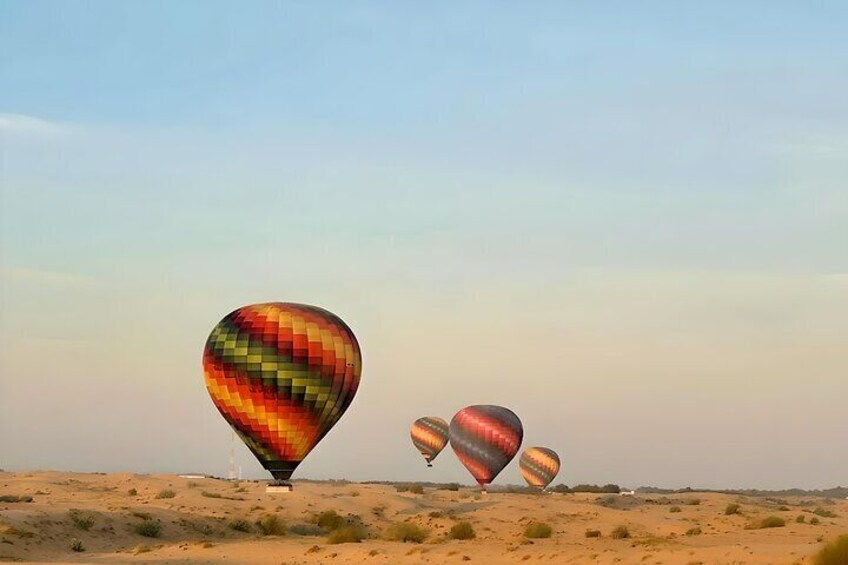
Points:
x=328 y=520
x=675 y=509
x=769 y=522
x=149 y=529
x=240 y=525
x=132 y=492
x=77 y=546
x=462 y=530
x=81 y=521
x=271 y=525
x=166 y=493
x=834 y=553
x=800 y=519
x=819 y=511
x=538 y=530
x=305 y=530
x=406 y=532
x=696 y=531
x=347 y=534
x=620 y=532
x=732 y=509
x=593 y=533
x=13 y=498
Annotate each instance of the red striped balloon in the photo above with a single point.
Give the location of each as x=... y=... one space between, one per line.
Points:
x=485 y=439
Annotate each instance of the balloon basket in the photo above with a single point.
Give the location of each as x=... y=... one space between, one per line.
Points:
x=277 y=487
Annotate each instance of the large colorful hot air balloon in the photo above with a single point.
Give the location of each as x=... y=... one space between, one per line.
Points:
x=282 y=375
x=539 y=466
x=429 y=435
x=485 y=438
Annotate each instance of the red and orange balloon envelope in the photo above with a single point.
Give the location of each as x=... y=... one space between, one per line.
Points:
x=539 y=466
x=282 y=375
x=485 y=439
x=429 y=435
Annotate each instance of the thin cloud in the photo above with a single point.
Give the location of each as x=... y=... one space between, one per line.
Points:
x=29 y=125
x=48 y=277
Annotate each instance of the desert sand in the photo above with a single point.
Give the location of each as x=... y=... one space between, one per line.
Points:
x=103 y=514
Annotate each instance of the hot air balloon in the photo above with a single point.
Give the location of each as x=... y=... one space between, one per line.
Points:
x=539 y=466
x=282 y=375
x=429 y=435
x=485 y=438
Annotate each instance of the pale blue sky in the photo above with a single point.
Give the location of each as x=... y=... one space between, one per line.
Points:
x=646 y=202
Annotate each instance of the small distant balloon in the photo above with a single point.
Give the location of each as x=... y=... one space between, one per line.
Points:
x=539 y=466
x=430 y=435
x=485 y=439
x=282 y=375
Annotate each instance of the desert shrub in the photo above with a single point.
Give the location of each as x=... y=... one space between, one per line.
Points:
x=406 y=532
x=450 y=486
x=675 y=509
x=696 y=531
x=81 y=521
x=610 y=488
x=142 y=515
x=240 y=525
x=462 y=530
x=620 y=532
x=692 y=501
x=132 y=492
x=328 y=520
x=271 y=525
x=77 y=546
x=800 y=519
x=192 y=484
x=834 y=553
x=15 y=531
x=413 y=488
x=305 y=530
x=538 y=530
x=561 y=488
x=149 y=529
x=13 y=498
x=731 y=509
x=769 y=522
x=208 y=494
x=347 y=534
x=435 y=514
x=607 y=501
x=814 y=521
x=593 y=533
x=819 y=511
x=166 y=493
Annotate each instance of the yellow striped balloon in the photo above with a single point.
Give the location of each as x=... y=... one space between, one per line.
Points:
x=539 y=466
x=429 y=435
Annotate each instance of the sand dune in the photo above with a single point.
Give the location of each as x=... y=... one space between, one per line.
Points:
x=196 y=524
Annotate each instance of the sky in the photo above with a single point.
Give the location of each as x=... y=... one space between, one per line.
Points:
x=628 y=223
